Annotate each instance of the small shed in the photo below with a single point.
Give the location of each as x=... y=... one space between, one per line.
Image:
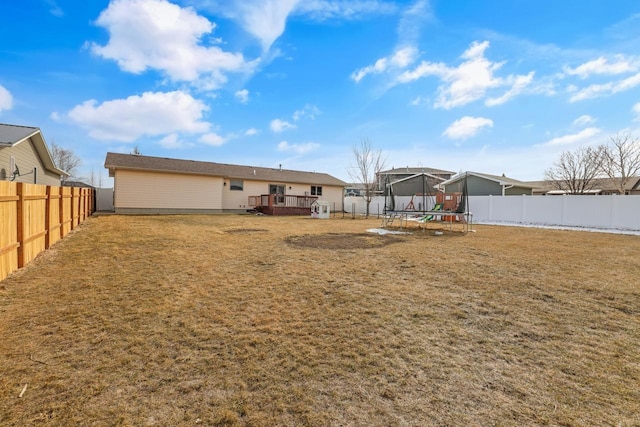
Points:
x=321 y=209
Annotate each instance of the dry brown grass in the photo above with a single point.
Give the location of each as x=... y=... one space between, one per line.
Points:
x=263 y=321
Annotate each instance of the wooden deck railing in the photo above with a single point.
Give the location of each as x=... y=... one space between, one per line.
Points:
x=281 y=200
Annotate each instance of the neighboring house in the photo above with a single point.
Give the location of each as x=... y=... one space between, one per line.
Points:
x=354 y=190
x=78 y=184
x=602 y=186
x=393 y=175
x=144 y=184
x=24 y=157
x=482 y=184
x=419 y=184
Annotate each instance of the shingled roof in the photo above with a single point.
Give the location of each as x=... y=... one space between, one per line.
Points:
x=12 y=135
x=193 y=167
x=600 y=184
x=415 y=170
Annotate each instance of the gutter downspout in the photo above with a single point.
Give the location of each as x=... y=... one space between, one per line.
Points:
x=506 y=187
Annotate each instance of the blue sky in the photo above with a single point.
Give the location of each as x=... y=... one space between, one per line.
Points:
x=501 y=86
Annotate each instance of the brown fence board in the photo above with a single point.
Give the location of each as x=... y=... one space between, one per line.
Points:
x=34 y=217
x=65 y=210
x=53 y=216
x=31 y=221
x=8 y=228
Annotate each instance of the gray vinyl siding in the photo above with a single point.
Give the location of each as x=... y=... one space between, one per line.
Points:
x=27 y=159
x=413 y=186
x=476 y=186
x=518 y=191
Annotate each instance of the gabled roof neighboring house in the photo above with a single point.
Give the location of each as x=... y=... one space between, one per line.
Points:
x=145 y=184
x=419 y=183
x=410 y=171
x=483 y=184
x=602 y=186
x=393 y=175
x=24 y=156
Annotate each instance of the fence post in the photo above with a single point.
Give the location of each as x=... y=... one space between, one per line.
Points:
x=20 y=223
x=47 y=219
x=490 y=208
x=61 y=211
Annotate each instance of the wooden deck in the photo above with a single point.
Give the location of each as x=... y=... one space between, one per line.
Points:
x=281 y=204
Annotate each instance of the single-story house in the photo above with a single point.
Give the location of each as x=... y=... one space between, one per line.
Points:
x=145 y=184
x=482 y=184
x=24 y=157
x=602 y=186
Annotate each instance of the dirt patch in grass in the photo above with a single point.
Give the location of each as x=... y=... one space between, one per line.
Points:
x=334 y=241
x=172 y=320
x=245 y=230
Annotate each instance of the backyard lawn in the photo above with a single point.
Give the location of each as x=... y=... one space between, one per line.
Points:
x=240 y=320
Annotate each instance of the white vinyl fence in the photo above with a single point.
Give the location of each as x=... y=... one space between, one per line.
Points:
x=604 y=212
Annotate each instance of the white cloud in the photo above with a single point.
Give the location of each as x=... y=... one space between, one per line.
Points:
x=419 y=100
x=322 y=10
x=470 y=80
x=584 y=120
x=212 y=139
x=605 y=89
x=518 y=85
x=278 y=125
x=411 y=21
x=152 y=113
x=172 y=141
x=310 y=111
x=467 y=127
x=636 y=110
x=401 y=58
x=54 y=8
x=252 y=132
x=6 y=100
x=265 y=20
x=601 y=65
x=297 y=148
x=574 y=138
x=242 y=96
x=160 y=35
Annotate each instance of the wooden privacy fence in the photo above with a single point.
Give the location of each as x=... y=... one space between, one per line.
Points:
x=34 y=217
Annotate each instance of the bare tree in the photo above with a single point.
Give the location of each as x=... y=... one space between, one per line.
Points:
x=367 y=163
x=621 y=160
x=576 y=172
x=66 y=160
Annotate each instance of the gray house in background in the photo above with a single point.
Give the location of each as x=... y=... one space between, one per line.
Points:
x=482 y=184
x=602 y=186
x=410 y=181
x=24 y=157
x=421 y=183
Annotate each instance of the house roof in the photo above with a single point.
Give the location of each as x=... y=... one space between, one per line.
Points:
x=602 y=184
x=12 y=135
x=428 y=175
x=414 y=171
x=502 y=180
x=115 y=161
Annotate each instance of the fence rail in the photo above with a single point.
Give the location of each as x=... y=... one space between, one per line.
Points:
x=34 y=217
